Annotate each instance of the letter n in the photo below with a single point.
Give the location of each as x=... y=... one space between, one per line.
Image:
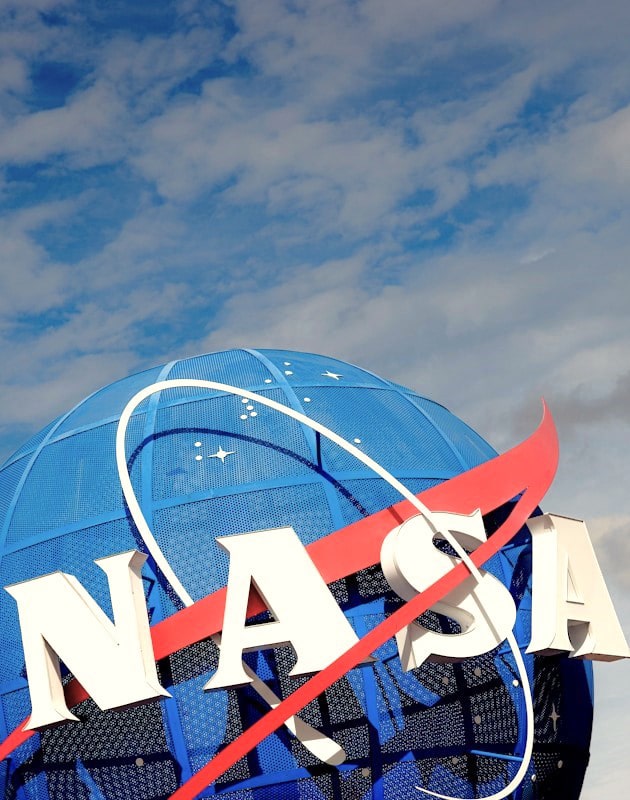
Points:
x=59 y=620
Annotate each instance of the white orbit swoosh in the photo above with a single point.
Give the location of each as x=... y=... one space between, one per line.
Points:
x=295 y=724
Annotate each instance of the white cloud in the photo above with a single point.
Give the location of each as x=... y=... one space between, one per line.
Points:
x=29 y=282
x=87 y=129
x=611 y=538
x=13 y=75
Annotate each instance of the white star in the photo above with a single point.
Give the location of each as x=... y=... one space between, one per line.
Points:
x=222 y=454
x=334 y=375
x=554 y=717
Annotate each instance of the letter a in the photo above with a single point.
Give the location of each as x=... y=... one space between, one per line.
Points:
x=571 y=608
x=306 y=614
x=59 y=619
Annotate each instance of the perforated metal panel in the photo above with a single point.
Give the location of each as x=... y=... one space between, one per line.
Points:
x=204 y=464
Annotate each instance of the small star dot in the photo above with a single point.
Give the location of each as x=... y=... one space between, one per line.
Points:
x=287 y=363
x=254 y=414
x=560 y=764
x=478 y=672
x=534 y=778
x=334 y=375
x=244 y=400
x=197 y=444
x=365 y=772
x=554 y=717
x=357 y=441
x=307 y=399
x=455 y=760
x=288 y=372
x=249 y=408
x=139 y=762
x=243 y=416
x=445 y=681
x=198 y=458
x=477 y=720
x=515 y=683
x=267 y=380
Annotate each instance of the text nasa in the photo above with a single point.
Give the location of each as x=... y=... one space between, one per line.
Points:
x=571 y=611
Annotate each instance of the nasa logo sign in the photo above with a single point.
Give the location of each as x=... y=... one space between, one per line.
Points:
x=268 y=574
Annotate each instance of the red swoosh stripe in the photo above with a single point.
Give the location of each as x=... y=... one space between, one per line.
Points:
x=528 y=467
x=533 y=470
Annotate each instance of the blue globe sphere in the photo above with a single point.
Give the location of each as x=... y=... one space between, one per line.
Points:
x=207 y=463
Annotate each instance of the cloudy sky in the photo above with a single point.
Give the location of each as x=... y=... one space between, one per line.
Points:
x=435 y=190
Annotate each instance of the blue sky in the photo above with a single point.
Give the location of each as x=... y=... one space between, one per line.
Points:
x=435 y=191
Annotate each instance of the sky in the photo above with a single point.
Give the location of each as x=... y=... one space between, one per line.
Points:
x=436 y=191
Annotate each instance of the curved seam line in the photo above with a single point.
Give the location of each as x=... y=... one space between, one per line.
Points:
x=290 y=395
x=114 y=418
x=164 y=504
x=462 y=462
x=147 y=431
x=23 y=451
x=29 y=467
x=397 y=388
x=332 y=496
x=170 y=711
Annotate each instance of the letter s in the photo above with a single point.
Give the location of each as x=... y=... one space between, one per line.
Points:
x=484 y=610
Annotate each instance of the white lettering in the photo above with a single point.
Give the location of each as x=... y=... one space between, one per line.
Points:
x=485 y=611
x=113 y=661
x=306 y=614
x=571 y=608
x=571 y=611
